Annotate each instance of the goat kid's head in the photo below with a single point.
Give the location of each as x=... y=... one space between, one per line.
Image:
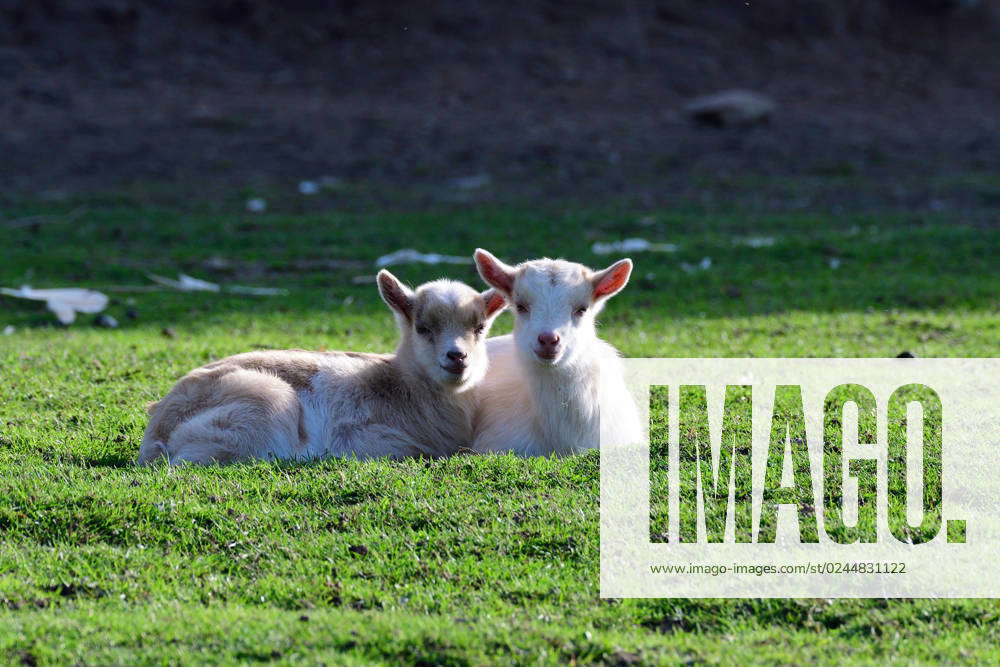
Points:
x=554 y=302
x=444 y=324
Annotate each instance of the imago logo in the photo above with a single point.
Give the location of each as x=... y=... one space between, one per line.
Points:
x=712 y=482
x=805 y=477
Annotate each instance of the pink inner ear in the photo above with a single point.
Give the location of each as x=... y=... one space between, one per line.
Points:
x=494 y=302
x=396 y=297
x=612 y=280
x=494 y=274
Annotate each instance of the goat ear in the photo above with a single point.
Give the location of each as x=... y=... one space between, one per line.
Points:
x=611 y=280
x=495 y=302
x=494 y=272
x=396 y=294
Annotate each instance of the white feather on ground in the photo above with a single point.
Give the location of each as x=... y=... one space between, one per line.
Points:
x=411 y=256
x=631 y=245
x=65 y=302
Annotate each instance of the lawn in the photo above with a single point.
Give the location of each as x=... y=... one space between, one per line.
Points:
x=470 y=560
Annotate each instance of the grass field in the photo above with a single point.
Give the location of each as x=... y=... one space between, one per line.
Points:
x=465 y=561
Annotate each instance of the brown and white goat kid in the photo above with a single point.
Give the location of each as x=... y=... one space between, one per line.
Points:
x=299 y=405
x=548 y=380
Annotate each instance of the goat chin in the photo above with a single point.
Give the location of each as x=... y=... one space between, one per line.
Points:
x=533 y=409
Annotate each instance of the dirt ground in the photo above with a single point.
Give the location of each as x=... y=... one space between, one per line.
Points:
x=519 y=99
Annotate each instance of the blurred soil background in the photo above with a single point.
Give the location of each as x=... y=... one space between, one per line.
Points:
x=880 y=103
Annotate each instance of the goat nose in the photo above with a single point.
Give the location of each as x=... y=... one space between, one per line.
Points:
x=456 y=355
x=548 y=338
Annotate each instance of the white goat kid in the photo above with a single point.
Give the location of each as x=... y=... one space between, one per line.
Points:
x=293 y=404
x=547 y=382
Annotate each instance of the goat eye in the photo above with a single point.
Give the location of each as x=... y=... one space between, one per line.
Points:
x=580 y=310
x=423 y=331
x=522 y=308
x=480 y=329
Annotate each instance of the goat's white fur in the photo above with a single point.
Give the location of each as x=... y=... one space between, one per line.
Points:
x=293 y=404
x=535 y=406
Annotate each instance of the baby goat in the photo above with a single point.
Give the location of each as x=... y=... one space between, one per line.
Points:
x=547 y=382
x=305 y=405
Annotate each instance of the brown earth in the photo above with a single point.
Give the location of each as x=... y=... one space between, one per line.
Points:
x=550 y=99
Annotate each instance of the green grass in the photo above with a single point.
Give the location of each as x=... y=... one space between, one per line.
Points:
x=465 y=561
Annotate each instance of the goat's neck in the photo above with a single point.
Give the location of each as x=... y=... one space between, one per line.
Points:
x=567 y=390
x=565 y=403
x=405 y=363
